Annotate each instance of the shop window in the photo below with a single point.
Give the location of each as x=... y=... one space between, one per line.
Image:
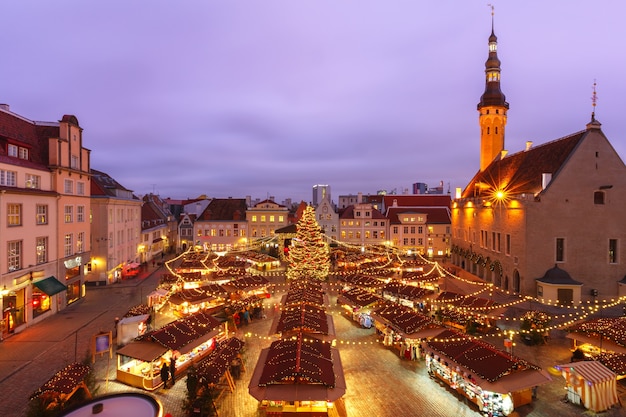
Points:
x=41 y=302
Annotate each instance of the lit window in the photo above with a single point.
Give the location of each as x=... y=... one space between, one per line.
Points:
x=80 y=242
x=14 y=214
x=33 y=181
x=42 y=250
x=42 y=214
x=69 y=214
x=14 y=255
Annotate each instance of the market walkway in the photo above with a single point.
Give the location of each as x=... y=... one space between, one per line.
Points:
x=379 y=383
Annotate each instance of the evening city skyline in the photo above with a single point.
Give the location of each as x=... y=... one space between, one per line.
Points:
x=269 y=98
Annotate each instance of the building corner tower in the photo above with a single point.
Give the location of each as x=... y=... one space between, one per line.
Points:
x=492 y=107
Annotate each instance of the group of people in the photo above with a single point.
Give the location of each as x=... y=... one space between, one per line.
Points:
x=168 y=372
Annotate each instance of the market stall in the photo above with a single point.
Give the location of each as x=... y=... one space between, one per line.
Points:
x=404 y=329
x=221 y=365
x=495 y=381
x=359 y=303
x=304 y=318
x=408 y=295
x=208 y=297
x=248 y=286
x=187 y=340
x=597 y=335
x=591 y=384
x=59 y=389
x=304 y=375
x=128 y=328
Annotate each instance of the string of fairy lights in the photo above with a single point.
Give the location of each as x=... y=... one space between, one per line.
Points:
x=431 y=271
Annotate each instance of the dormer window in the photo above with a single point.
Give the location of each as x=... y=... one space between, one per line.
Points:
x=17 y=151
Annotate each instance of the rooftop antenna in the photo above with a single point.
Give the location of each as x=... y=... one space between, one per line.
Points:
x=594 y=101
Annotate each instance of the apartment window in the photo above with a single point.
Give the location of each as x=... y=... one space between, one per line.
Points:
x=74 y=162
x=42 y=213
x=68 y=249
x=80 y=188
x=612 y=251
x=80 y=214
x=33 y=181
x=69 y=214
x=8 y=178
x=263 y=218
x=560 y=249
x=272 y=219
x=80 y=242
x=69 y=187
x=42 y=250
x=14 y=215
x=14 y=255
x=281 y=218
x=405 y=229
x=254 y=218
x=357 y=214
x=412 y=230
x=420 y=229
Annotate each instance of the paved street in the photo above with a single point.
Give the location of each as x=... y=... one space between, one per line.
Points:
x=379 y=383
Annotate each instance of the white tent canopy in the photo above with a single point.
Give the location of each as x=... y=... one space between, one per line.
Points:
x=591 y=384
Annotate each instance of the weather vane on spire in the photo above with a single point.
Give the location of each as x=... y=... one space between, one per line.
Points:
x=594 y=101
x=491 y=5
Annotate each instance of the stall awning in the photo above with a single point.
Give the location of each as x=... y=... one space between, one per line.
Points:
x=50 y=285
x=145 y=351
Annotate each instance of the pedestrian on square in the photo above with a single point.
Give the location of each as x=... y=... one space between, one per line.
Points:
x=173 y=370
x=165 y=374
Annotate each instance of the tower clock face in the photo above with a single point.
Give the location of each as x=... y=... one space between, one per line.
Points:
x=325 y=209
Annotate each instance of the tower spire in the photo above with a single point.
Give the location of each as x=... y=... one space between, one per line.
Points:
x=594 y=100
x=492 y=107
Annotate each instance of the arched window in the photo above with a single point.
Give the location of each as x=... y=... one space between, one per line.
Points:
x=516 y=281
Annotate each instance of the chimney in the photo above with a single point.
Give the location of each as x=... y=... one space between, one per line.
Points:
x=529 y=144
x=359 y=198
x=4 y=107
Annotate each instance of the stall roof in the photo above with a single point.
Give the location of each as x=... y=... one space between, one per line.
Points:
x=146 y=351
x=65 y=381
x=305 y=295
x=180 y=333
x=607 y=329
x=412 y=324
x=591 y=371
x=213 y=367
x=304 y=318
x=358 y=297
x=326 y=368
x=495 y=370
x=410 y=292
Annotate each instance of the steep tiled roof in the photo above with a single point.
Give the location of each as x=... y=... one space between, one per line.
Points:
x=522 y=172
x=225 y=209
x=419 y=200
x=103 y=184
x=434 y=215
x=348 y=213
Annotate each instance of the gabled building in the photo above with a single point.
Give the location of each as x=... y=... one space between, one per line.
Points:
x=222 y=226
x=265 y=217
x=547 y=221
x=154 y=231
x=115 y=229
x=362 y=224
x=328 y=219
x=44 y=223
x=420 y=223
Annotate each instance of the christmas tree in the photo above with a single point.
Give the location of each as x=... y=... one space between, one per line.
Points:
x=308 y=255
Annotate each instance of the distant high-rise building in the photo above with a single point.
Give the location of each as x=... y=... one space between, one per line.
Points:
x=319 y=192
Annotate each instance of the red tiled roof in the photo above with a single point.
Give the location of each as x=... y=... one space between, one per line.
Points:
x=224 y=209
x=348 y=213
x=434 y=215
x=522 y=172
x=419 y=200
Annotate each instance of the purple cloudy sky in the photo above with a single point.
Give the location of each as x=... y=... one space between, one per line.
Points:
x=236 y=98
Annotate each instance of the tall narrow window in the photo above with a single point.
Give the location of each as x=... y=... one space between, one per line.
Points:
x=69 y=186
x=14 y=257
x=612 y=251
x=508 y=244
x=68 y=250
x=14 y=215
x=560 y=249
x=69 y=214
x=80 y=214
x=42 y=250
x=42 y=214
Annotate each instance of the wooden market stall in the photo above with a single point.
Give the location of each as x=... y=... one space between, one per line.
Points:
x=591 y=384
x=359 y=304
x=404 y=329
x=494 y=380
x=221 y=366
x=597 y=335
x=302 y=375
x=304 y=318
x=207 y=297
x=60 y=388
x=187 y=340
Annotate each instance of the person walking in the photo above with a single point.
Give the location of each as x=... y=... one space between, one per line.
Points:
x=165 y=374
x=173 y=370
